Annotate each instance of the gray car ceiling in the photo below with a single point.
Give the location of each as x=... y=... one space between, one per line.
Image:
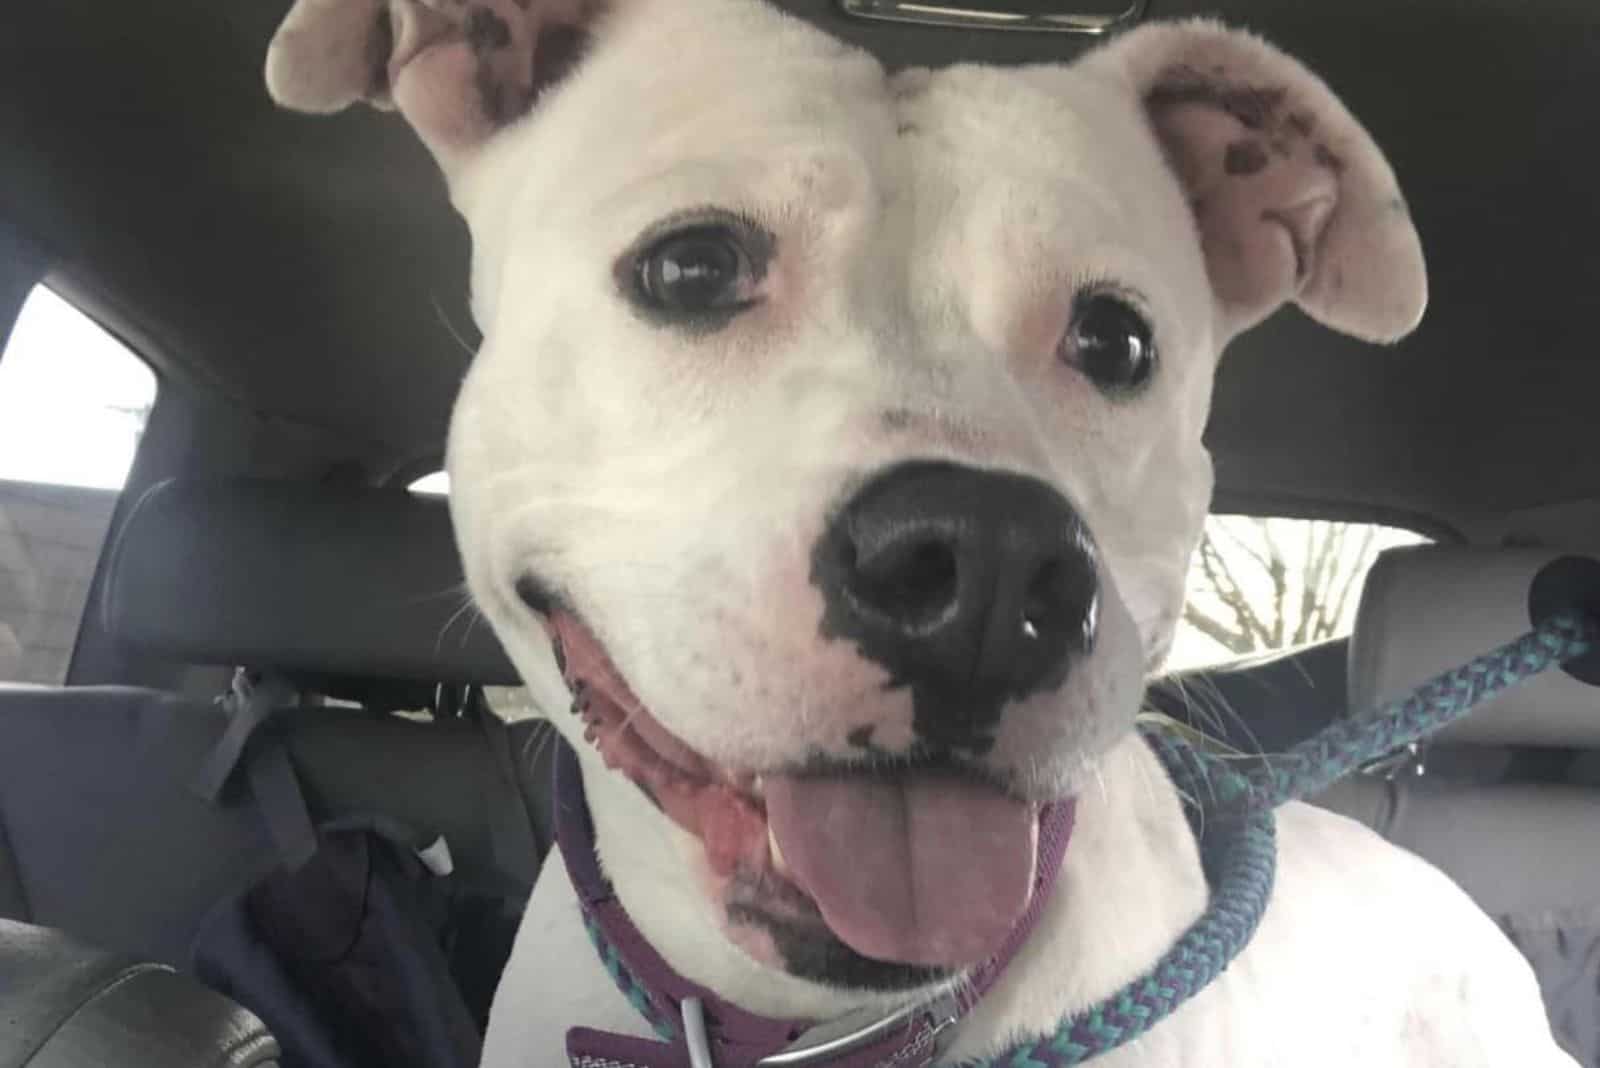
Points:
x=312 y=269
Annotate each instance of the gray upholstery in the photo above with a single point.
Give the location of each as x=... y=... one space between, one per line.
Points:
x=1429 y=608
x=106 y=839
x=1517 y=848
x=1527 y=848
x=64 y=1005
x=334 y=580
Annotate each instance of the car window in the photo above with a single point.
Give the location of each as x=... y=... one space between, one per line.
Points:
x=434 y=485
x=1261 y=584
x=73 y=404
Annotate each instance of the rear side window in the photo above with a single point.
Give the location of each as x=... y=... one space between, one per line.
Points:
x=1263 y=584
x=73 y=404
x=434 y=485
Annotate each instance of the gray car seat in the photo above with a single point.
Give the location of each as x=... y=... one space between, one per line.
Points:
x=65 y=1005
x=106 y=828
x=1499 y=801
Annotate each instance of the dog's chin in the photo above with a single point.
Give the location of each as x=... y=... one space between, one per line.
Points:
x=885 y=875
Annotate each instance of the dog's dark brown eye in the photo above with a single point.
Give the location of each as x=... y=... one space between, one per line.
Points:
x=697 y=276
x=1110 y=342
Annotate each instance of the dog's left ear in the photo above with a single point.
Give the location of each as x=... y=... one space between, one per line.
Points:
x=458 y=70
x=1292 y=198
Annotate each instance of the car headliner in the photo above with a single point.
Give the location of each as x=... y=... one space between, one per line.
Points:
x=312 y=269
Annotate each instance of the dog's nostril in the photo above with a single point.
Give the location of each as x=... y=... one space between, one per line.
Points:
x=911 y=583
x=1063 y=601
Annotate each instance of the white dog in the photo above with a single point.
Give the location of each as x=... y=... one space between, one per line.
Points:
x=854 y=421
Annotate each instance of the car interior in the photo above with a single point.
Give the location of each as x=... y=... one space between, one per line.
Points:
x=275 y=658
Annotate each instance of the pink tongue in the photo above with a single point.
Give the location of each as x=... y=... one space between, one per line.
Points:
x=924 y=869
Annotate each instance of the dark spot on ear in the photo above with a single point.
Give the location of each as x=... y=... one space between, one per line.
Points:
x=1325 y=158
x=1399 y=206
x=523 y=4
x=1244 y=157
x=486 y=31
x=1280 y=148
x=557 y=54
x=1252 y=107
x=897 y=418
x=908 y=129
x=1302 y=123
x=381 y=48
x=1337 y=281
x=861 y=737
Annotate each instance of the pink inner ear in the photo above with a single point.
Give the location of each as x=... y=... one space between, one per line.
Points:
x=461 y=69
x=1263 y=188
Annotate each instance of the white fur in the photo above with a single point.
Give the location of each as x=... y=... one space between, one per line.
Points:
x=932 y=230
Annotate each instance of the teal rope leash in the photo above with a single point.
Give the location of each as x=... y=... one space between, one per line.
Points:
x=1328 y=756
x=1231 y=809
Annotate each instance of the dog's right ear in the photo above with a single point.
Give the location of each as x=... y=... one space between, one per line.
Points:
x=458 y=70
x=1292 y=199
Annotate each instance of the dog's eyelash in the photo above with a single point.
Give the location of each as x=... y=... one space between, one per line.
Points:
x=705 y=215
x=1115 y=287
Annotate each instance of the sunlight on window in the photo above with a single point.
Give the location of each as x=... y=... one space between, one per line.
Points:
x=73 y=399
x=436 y=484
x=1258 y=585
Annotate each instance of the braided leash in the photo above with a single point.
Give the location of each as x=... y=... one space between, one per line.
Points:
x=1230 y=804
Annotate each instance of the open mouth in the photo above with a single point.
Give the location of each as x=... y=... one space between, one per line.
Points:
x=922 y=865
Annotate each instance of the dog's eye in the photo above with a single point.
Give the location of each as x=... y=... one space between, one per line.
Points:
x=696 y=275
x=1110 y=342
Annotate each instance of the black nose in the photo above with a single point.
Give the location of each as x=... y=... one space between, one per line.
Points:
x=971 y=587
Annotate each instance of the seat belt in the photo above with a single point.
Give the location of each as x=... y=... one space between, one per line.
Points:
x=249 y=704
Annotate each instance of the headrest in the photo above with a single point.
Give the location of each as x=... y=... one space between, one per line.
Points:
x=305 y=579
x=1431 y=608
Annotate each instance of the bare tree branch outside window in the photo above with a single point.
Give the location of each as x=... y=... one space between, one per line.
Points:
x=1262 y=584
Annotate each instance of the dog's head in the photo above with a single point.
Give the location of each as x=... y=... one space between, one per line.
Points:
x=834 y=451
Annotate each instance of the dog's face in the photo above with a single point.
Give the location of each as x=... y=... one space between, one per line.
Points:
x=834 y=451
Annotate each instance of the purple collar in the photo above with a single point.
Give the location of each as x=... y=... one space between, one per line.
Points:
x=700 y=1030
